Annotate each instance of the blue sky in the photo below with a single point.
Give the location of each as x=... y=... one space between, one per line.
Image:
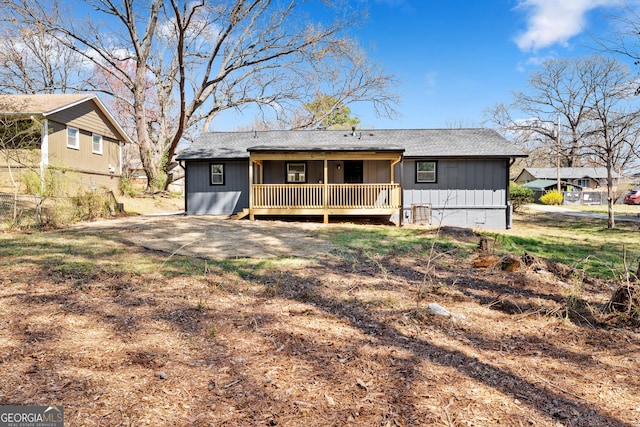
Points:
x=455 y=58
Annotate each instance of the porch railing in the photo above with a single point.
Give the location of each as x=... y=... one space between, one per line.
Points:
x=310 y=196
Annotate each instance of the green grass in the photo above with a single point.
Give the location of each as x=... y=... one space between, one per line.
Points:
x=582 y=243
x=618 y=209
x=386 y=241
x=578 y=242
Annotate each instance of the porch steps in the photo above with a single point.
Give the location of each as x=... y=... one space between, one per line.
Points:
x=240 y=215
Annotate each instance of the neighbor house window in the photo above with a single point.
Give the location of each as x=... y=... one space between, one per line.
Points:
x=584 y=183
x=73 y=138
x=296 y=172
x=97 y=144
x=426 y=171
x=217 y=173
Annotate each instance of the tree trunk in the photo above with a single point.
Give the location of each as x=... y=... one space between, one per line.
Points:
x=611 y=223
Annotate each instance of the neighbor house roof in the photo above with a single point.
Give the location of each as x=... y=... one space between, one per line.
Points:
x=543 y=184
x=570 y=173
x=47 y=104
x=414 y=142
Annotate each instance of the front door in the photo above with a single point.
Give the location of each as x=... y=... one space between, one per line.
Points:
x=353 y=172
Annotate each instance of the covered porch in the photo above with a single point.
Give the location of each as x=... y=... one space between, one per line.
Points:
x=323 y=182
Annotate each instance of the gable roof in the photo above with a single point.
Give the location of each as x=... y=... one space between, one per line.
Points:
x=570 y=173
x=47 y=104
x=432 y=143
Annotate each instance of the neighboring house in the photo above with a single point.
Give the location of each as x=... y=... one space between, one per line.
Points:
x=584 y=177
x=80 y=138
x=541 y=186
x=456 y=177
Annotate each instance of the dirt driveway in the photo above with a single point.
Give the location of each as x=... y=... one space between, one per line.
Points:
x=214 y=238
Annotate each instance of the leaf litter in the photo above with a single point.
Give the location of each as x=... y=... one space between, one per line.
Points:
x=325 y=342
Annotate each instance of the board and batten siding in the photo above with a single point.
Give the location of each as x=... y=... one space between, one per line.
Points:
x=202 y=198
x=468 y=192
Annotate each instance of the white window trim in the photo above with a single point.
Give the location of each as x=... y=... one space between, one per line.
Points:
x=77 y=145
x=93 y=150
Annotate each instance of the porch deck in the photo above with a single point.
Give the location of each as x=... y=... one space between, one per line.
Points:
x=324 y=199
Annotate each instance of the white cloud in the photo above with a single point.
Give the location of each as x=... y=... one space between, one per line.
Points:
x=555 y=21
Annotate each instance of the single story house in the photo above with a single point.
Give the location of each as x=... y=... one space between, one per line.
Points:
x=457 y=177
x=551 y=184
x=541 y=186
x=584 y=177
x=79 y=138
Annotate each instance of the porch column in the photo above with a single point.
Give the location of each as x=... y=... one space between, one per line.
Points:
x=251 y=215
x=325 y=192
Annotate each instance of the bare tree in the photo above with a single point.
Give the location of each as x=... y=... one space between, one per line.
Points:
x=32 y=61
x=613 y=124
x=561 y=89
x=204 y=58
x=591 y=97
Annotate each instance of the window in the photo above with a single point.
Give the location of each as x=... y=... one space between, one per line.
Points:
x=426 y=171
x=97 y=144
x=217 y=173
x=73 y=138
x=296 y=172
x=584 y=182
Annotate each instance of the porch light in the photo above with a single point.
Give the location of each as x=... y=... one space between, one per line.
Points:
x=339 y=167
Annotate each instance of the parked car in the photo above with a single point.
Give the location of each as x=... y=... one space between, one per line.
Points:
x=632 y=197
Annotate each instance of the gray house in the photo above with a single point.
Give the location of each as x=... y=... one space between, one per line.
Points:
x=457 y=177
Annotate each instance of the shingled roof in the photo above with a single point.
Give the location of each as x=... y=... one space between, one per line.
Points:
x=438 y=143
x=571 y=173
x=46 y=105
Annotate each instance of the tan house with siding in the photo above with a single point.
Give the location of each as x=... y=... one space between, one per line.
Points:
x=80 y=138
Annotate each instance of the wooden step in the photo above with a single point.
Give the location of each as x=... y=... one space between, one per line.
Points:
x=240 y=215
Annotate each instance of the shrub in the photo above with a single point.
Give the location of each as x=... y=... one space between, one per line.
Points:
x=519 y=195
x=553 y=197
x=126 y=187
x=53 y=184
x=89 y=205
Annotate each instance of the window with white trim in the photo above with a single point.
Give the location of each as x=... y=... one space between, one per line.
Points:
x=296 y=173
x=217 y=173
x=426 y=171
x=73 y=138
x=96 y=145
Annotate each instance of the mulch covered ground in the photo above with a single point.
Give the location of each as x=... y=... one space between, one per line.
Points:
x=328 y=341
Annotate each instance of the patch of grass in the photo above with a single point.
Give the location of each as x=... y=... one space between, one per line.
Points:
x=583 y=243
x=383 y=241
x=618 y=209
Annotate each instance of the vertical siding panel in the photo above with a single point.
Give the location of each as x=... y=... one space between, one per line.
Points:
x=226 y=199
x=469 y=183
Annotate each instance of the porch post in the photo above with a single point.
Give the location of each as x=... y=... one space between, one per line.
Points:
x=393 y=167
x=251 y=215
x=325 y=192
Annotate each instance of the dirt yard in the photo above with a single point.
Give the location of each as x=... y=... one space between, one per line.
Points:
x=123 y=332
